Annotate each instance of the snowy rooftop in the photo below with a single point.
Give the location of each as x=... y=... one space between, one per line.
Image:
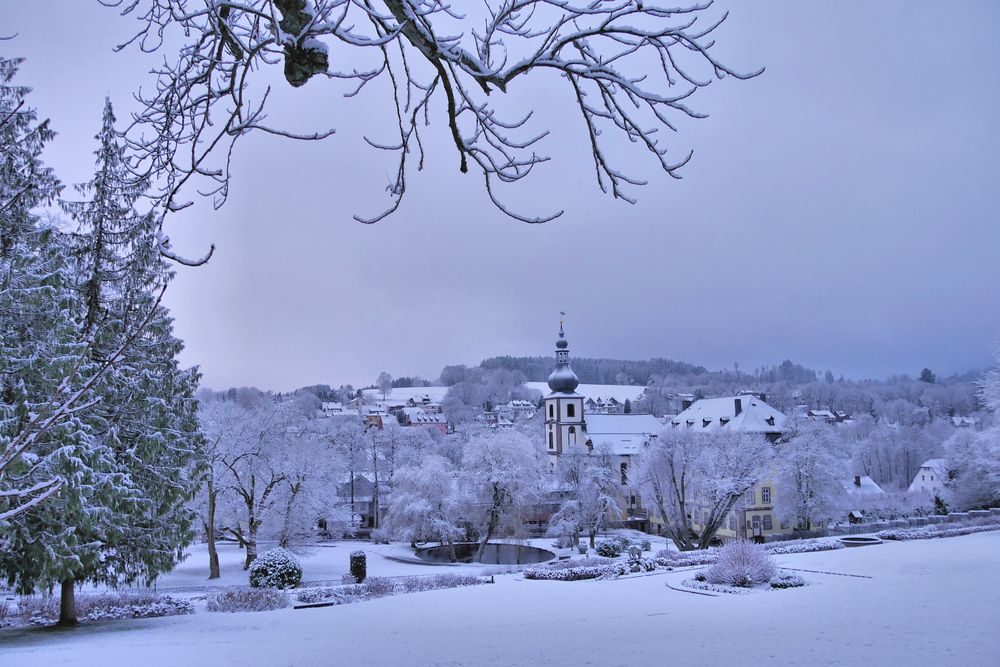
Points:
x=866 y=487
x=939 y=466
x=720 y=414
x=625 y=434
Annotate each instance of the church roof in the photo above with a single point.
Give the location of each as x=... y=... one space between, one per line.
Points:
x=624 y=434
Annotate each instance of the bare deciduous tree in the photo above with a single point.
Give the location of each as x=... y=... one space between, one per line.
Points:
x=630 y=68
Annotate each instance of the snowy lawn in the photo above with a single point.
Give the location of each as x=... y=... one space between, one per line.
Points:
x=928 y=602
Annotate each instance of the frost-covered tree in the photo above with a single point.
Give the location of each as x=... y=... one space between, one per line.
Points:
x=974 y=456
x=384 y=384
x=626 y=69
x=351 y=447
x=811 y=466
x=586 y=483
x=680 y=471
x=426 y=503
x=311 y=471
x=502 y=477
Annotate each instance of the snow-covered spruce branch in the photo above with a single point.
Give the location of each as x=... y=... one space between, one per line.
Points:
x=43 y=422
x=630 y=67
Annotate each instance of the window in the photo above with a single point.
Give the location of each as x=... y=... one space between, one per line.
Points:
x=732 y=522
x=571 y=410
x=552 y=411
x=750 y=498
x=768 y=525
x=552 y=444
x=624 y=472
x=922 y=478
x=765 y=495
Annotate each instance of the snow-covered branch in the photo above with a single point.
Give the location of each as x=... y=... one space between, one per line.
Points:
x=630 y=67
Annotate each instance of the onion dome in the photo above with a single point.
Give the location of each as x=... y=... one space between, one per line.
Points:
x=563 y=379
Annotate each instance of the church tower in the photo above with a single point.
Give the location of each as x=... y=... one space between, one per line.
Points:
x=564 y=426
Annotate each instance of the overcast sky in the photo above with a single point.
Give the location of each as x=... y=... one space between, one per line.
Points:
x=842 y=210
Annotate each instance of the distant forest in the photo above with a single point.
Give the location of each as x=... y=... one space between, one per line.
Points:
x=642 y=372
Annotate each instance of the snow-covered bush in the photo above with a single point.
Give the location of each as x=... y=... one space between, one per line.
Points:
x=44 y=610
x=379 y=586
x=803 y=547
x=646 y=545
x=668 y=558
x=582 y=549
x=275 y=568
x=382 y=586
x=609 y=549
x=380 y=536
x=931 y=532
x=247 y=599
x=622 y=542
x=787 y=580
x=589 y=568
x=741 y=563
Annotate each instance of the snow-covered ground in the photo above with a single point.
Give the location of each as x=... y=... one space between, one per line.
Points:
x=928 y=602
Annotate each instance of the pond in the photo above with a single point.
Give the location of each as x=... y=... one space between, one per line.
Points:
x=859 y=541
x=493 y=554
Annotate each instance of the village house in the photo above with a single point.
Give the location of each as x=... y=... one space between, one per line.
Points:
x=931 y=478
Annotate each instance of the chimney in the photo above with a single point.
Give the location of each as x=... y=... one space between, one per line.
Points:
x=739 y=406
x=857 y=480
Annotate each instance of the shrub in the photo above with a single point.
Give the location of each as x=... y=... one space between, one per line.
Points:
x=348 y=579
x=622 y=542
x=379 y=586
x=359 y=566
x=806 y=546
x=275 y=568
x=646 y=545
x=787 y=580
x=741 y=563
x=608 y=549
x=581 y=549
x=931 y=532
x=43 y=610
x=247 y=599
x=380 y=536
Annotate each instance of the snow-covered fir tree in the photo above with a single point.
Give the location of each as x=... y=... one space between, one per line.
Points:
x=47 y=375
x=147 y=413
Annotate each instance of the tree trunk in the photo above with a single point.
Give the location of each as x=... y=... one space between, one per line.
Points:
x=67 y=603
x=593 y=537
x=251 y=544
x=213 y=553
x=286 y=527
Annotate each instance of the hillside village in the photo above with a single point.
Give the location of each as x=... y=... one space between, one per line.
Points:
x=614 y=422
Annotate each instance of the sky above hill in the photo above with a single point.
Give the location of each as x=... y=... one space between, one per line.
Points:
x=840 y=210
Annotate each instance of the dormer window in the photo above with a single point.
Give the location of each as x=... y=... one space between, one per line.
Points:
x=723 y=421
x=690 y=422
x=770 y=421
x=705 y=423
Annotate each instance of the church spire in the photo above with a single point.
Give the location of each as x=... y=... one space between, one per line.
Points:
x=562 y=379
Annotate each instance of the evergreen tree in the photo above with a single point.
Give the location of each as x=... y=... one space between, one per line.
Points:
x=147 y=414
x=46 y=376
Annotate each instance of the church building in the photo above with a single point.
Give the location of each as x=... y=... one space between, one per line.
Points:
x=618 y=436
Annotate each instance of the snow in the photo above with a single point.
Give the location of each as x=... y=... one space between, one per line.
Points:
x=403 y=394
x=719 y=414
x=927 y=602
x=619 y=392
